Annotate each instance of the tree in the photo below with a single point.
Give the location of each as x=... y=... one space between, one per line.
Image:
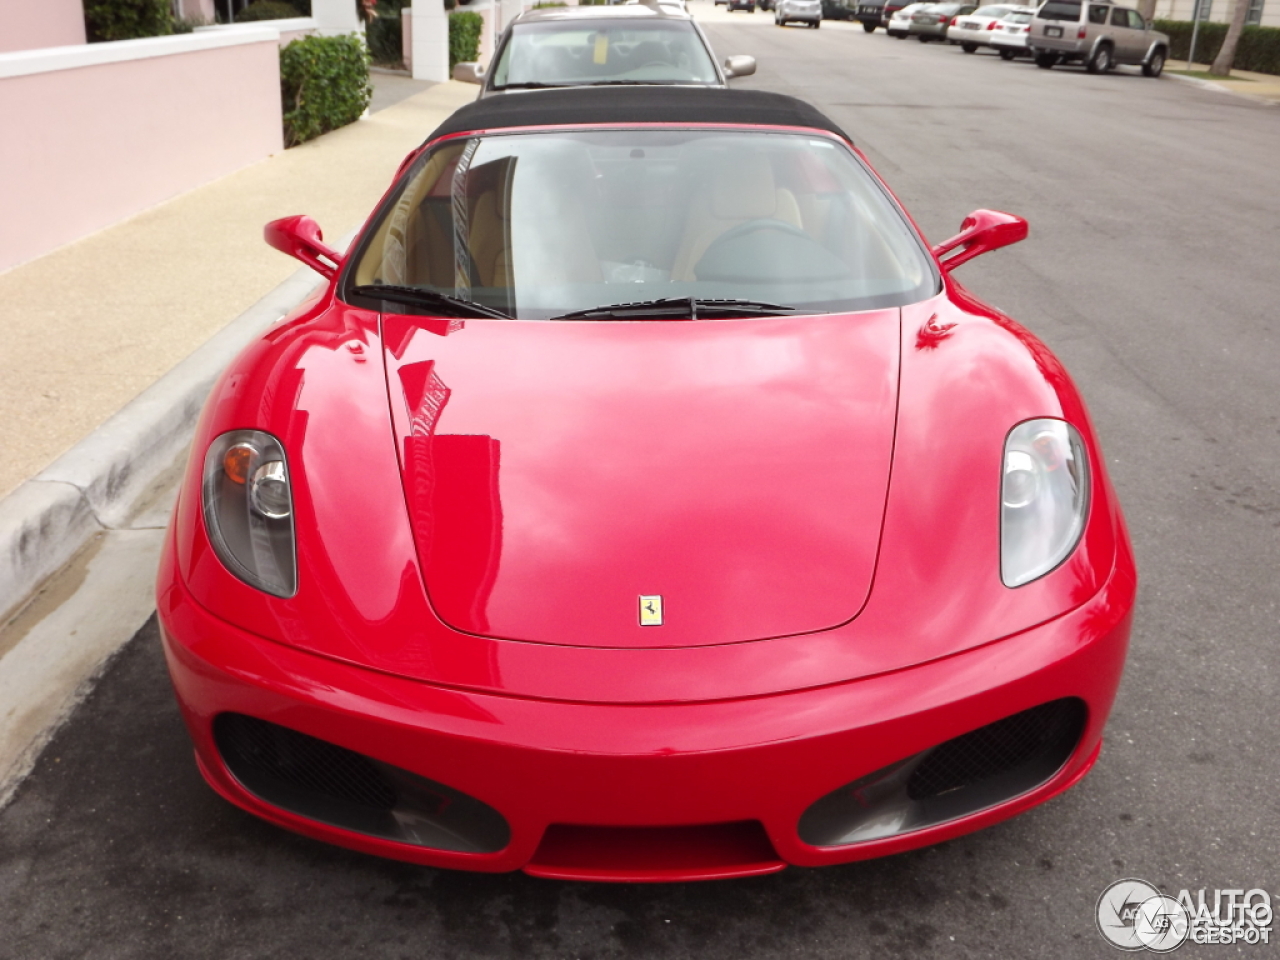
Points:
x=1227 y=55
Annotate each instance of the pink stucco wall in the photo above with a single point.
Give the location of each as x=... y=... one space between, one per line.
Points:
x=198 y=10
x=31 y=24
x=100 y=143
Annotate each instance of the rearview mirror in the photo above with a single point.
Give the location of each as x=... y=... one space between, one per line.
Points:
x=981 y=231
x=300 y=237
x=739 y=66
x=468 y=73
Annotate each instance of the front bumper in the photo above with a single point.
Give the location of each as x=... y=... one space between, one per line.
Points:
x=647 y=791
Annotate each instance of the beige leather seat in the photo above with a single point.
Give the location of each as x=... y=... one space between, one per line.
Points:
x=739 y=189
x=489 y=240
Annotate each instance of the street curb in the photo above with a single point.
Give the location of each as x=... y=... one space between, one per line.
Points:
x=98 y=483
x=1219 y=88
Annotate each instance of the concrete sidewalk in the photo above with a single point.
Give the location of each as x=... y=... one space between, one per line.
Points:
x=1245 y=83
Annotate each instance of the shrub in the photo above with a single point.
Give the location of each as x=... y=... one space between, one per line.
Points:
x=1259 y=48
x=464 y=37
x=189 y=24
x=324 y=82
x=126 y=19
x=267 y=10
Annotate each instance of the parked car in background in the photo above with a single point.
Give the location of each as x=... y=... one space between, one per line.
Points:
x=1098 y=34
x=798 y=11
x=1009 y=38
x=898 y=24
x=602 y=46
x=931 y=21
x=747 y=5
x=976 y=29
x=869 y=15
x=837 y=10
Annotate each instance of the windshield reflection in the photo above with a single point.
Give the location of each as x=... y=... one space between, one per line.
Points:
x=540 y=225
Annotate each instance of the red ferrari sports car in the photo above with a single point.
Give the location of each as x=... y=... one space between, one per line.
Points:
x=642 y=498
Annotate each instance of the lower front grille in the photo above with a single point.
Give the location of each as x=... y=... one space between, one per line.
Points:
x=331 y=784
x=979 y=769
x=1049 y=730
x=708 y=851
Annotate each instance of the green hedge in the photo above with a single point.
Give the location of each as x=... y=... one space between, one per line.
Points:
x=1259 y=48
x=464 y=37
x=267 y=10
x=126 y=19
x=325 y=85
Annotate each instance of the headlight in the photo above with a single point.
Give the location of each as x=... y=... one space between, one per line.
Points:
x=248 y=509
x=1044 y=496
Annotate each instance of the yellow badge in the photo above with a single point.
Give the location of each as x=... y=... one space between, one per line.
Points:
x=650 y=611
x=602 y=48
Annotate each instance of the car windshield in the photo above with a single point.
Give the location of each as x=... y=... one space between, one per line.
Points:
x=576 y=53
x=1018 y=18
x=991 y=11
x=539 y=225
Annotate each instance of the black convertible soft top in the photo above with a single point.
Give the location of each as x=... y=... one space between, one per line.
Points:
x=650 y=104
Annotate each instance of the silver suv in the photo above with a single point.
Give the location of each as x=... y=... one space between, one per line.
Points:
x=1097 y=32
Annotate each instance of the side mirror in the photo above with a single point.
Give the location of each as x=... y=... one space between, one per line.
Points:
x=300 y=237
x=981 y=231
x=468 y=73
x=739 y=66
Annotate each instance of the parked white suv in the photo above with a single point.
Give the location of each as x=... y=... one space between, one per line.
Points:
x=1098 y=33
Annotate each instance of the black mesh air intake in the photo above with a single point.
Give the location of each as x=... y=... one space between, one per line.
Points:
x=960 y=776
x=302 y=761
x=1049 y=730
x=331 y=784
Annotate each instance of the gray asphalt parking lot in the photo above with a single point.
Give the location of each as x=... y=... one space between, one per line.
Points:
x=1148 y=271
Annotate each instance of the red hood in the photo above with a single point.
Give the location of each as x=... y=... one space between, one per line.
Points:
x=556 y=472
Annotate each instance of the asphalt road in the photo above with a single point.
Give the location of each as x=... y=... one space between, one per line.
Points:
x=1150 y=269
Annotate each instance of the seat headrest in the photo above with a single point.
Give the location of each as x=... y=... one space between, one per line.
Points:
x=743 y=189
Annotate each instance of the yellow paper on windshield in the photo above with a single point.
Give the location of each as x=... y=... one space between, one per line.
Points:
x=602 y=48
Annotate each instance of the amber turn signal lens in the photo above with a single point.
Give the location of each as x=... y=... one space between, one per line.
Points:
x=235 y=462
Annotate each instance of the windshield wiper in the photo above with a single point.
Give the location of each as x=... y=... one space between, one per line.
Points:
x=681 y=308
x=533 y=85
x=444 y=305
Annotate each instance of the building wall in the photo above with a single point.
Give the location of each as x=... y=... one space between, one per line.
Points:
x=97 y=133
x=1219 y=11
x=31 y=24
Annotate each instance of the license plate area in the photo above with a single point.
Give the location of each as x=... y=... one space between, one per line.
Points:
x=1053 y=31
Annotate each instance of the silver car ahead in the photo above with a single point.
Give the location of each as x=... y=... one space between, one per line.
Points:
x=801 y=11
x=1098 y=34
x=634 y=44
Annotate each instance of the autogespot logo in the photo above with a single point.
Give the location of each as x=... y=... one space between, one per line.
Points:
x=1134 y=915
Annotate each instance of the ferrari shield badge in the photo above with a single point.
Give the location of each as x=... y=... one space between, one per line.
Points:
x=650 y=611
